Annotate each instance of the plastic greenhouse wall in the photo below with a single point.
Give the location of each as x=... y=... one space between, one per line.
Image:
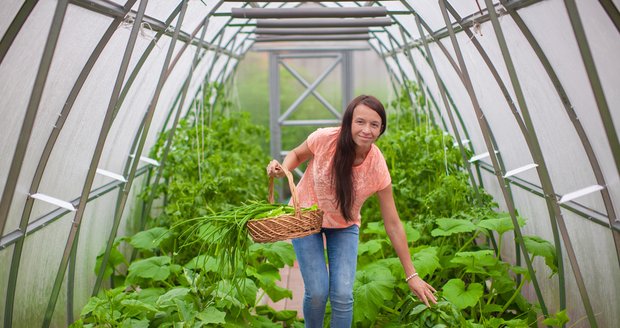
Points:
x=80 y=80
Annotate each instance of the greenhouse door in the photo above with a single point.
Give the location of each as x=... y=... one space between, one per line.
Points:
x=282 y=118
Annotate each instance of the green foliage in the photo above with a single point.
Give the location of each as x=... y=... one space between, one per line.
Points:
x=213 y=168
x=446 y=219
x=215 y=163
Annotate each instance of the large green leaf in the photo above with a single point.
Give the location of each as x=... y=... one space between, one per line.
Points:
x=265 y=272
x=136 y=308
x=150 y=239
x=372 y=288
x=371 y=247
x=156 y=268
x=540 y=247
x=448 y=227
x=412 y=233
x=168 y=298
x=211 y=315
x=116 y=258
x=204 y=262
x=279 y=253
x=426 y=261
x=277 y=293
x=455 y=292
x=477 y=261
x=501 y=224
x=375 y=228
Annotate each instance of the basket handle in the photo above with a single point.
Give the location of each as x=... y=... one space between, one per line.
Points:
x=291 y=184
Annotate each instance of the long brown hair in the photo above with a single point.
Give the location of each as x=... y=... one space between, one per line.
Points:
x=344 y=157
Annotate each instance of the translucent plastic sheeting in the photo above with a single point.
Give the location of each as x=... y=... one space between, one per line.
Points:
x=568 y=165
x=73 y=49
x=16 y=79
x=39 y=263
x=563 y=53
x=429 y=11
x=9 y=8
x=596 y=257
x=94 y=235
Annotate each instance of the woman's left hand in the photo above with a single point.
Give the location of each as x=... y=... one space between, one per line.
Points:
x=422 y=290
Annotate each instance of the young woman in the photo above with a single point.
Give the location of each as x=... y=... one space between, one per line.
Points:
x=345 y=168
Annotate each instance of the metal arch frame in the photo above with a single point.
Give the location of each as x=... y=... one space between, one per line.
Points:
x=485 y=127
x=14 y=28
x=28 y=123
x=543 y=173
x=474 y=100
x=610 y=9
x=16 y=257
x=595 y=81
x=107 y=123
x=139 y=140
x=568 y=107
x=31 y=112
x=443 y=93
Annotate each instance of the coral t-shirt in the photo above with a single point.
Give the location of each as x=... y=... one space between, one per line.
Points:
x=315 y=186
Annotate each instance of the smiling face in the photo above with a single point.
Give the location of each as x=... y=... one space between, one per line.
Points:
x=366 y=126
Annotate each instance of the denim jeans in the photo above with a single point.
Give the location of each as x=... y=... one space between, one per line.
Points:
x=335 y=282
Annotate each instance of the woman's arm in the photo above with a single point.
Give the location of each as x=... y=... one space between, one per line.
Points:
x=395 y=231
x=292 y=160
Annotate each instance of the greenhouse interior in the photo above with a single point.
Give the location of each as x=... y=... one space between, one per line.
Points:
x=133 y=131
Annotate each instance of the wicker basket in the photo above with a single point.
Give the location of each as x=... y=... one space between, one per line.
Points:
x=286 y=226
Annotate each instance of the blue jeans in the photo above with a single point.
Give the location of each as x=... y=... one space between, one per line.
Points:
x=335 y=283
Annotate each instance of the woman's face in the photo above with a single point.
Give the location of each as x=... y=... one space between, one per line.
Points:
x=366 y=126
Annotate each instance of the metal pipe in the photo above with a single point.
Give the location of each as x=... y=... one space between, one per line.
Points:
x=485 y=129
x=315 y=23
x=311 y=31
x=318 y=12
x=353 y=37
x=107 y=123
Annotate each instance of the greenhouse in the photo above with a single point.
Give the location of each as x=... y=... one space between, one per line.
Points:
x=136 y=136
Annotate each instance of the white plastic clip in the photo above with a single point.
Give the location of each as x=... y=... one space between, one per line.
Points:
x=54 y=201
x=581 y=192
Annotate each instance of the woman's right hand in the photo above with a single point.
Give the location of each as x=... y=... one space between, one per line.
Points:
x=274 y=169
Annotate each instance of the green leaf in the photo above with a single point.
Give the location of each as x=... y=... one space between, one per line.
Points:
x=371 y=247
x=448 y=227
x=156 y=268
x=116 y=258
x=211 y=315
x=475 y=262
x=372 y=288
x=150 y=239
x=455 y=292
x=279 y=253
x=93 y=303
x=501 y=224
x=412 y=233
x=175 y=293
x=557 y=320
x=375 y=228
x=540 y=247
x=285 y=315
x=135 y=323
x=277 y=293
x=426 y=261
x=137 y=309
x=204 y=262
x=265 y=272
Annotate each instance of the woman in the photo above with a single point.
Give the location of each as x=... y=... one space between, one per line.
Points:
x=345 y=168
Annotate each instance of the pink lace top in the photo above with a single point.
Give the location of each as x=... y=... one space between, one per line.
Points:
x=315 y=187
